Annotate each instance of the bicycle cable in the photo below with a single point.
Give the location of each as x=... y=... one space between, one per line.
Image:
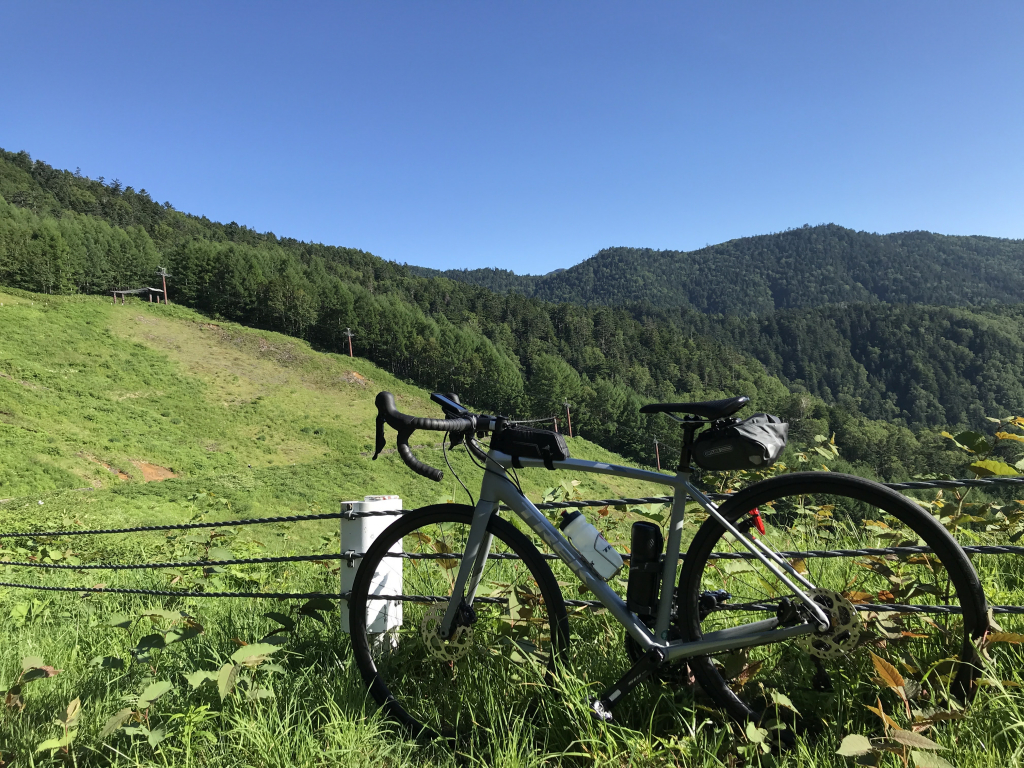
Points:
x=485 y=468
x=444 y=451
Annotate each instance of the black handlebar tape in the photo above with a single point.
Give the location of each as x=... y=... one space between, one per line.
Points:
x=416 y=465
x=405 y=425
x=386 y=409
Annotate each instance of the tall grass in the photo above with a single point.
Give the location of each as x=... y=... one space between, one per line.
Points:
x=87 y=382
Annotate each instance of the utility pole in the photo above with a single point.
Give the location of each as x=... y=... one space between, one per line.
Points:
x=162 y=271
x=657 y=454
x=348 y=332
x=556 y=423
x=568 y=418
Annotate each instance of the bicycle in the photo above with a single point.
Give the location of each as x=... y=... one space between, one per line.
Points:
x=747 y=609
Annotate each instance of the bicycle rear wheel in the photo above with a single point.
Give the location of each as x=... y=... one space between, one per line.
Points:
x=443 y=688
x=880 y=599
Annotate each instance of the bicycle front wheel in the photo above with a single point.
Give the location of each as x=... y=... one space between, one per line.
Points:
x=493 y=663
x=920 y=611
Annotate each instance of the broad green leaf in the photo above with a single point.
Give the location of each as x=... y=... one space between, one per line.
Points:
x=736 y=566
x=990 y=467
x=182 y=634
x=929 y=760
x=781 y=700
x=115 y=722
x=282 y=619
x=71 y=715
x=119 y=621
x=31 y=662
x=156 y=736
x=973 y=441
x=63 y=741
x=754 y=734
x=199 y=677
x=150 y=642
x=158 y=614
x=153 y=692
x=254 y=653
x=912 y=739
x=107 y=662
x=220 y=553
x=226 y=679
x=854 y=745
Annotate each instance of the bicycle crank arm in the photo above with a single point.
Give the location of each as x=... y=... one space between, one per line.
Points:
x=601 y=708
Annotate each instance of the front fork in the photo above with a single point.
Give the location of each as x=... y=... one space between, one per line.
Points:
x=478 y=548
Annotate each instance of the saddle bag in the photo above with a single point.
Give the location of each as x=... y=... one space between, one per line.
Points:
x=749 y=444
x=526 y=443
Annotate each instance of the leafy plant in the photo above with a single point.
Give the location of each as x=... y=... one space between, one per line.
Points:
x=32 y=668
x=139 y=715
x=68 y=720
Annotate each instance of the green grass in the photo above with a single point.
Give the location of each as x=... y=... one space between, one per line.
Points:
x=254 y=424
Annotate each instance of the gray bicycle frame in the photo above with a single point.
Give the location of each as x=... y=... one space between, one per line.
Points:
x=497 y=488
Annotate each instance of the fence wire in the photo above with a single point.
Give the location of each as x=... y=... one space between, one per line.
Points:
x=350 y=556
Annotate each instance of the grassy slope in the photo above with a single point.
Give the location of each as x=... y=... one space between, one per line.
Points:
x=257 y=417
x=87 y=382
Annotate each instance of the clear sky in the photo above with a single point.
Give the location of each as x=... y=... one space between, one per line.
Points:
x=529 y=135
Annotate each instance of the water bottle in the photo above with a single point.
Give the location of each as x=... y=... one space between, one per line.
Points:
x=589 y=542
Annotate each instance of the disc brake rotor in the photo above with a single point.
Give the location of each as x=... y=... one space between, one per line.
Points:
x=452 y=649
x=841 y=638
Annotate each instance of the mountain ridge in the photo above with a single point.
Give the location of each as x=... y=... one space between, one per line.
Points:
x=805 y=267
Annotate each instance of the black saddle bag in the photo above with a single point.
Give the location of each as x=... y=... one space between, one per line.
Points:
x=749 y=444
x=526 y=443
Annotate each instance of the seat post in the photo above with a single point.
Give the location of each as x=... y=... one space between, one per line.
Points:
x=684 y=452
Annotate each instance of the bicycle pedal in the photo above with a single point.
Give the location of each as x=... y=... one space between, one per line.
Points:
x=599 y=711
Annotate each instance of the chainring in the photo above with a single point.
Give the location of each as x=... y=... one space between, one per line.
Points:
x=452 y=649
x=844 y=632
x=676 y=674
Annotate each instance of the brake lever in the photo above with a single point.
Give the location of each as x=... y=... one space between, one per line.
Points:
x=381 y=441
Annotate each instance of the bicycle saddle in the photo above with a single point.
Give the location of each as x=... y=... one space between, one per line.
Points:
x=709 y=409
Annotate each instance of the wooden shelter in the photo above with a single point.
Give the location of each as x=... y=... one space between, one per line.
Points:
x=122 y=292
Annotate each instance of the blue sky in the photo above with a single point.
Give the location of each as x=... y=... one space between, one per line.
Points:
x=526 y=135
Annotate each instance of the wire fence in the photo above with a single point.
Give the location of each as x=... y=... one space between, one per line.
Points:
x=351 y=556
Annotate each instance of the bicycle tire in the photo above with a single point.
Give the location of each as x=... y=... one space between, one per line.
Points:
x=783 y=499
x=403 y=667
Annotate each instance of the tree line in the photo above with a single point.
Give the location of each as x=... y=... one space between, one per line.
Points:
x=61 y=232
x=798 y=268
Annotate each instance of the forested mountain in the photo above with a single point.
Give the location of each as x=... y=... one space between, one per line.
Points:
x=924 y=366
x=806 y=267
x=61 y=232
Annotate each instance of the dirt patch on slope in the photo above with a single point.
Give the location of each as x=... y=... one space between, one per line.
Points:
x=113 y=470
x=153 y=472
x=354 y=378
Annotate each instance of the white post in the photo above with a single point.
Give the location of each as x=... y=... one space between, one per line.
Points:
x=356 y=536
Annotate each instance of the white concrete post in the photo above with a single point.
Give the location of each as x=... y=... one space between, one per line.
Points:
x=356 y=536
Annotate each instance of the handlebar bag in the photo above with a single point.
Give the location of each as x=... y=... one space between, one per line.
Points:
x=527 y=443
x=749 y=444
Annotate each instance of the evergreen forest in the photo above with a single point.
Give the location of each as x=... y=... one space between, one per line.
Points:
x=883 y=340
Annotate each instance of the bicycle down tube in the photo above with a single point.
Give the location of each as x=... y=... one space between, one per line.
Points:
x=497 y=488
